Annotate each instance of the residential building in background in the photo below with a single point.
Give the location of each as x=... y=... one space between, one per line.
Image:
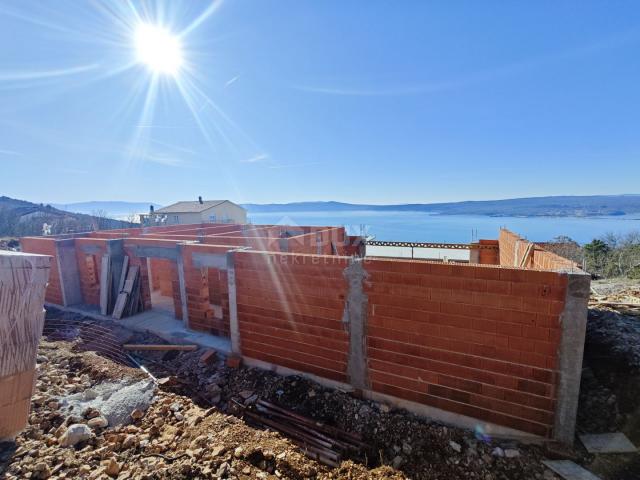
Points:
x=200 y=211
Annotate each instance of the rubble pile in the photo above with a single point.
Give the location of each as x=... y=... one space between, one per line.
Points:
x=176 y=438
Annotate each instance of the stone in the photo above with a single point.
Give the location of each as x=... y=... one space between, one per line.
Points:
x=218 y=450
x=245 y=394
x=76 y=433
x=42 y=470
x=397 y=461
x=497 y=452
x=158 y=422
x=137 y=414
x=129 y=441
x=113 y=468
x=511 y=453
x=456 y=446
x=98 y=422
x=238 y=452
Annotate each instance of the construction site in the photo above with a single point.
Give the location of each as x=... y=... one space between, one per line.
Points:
x=272 y=351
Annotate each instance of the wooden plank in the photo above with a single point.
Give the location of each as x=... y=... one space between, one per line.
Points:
x=122 y=303
x=123 y=276
x=105 y=285
x=186 y=348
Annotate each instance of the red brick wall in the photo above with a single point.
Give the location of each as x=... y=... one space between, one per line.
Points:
x=513 y=248
x=479 y=341
x=46 y=246
x=89 y=268
x=199 y=303
x=290 y=309
x=489 y=256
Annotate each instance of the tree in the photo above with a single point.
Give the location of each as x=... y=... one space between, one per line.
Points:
x=595 y=255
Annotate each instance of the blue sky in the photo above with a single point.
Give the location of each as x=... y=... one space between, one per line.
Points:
x=278 y=101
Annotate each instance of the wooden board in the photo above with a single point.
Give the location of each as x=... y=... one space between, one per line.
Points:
x=123 y=275
x=105 y=285
x=123 y=303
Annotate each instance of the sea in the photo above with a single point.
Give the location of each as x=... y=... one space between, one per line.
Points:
x=427 y=227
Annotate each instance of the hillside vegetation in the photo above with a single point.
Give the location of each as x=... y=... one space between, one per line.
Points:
x=22 y=218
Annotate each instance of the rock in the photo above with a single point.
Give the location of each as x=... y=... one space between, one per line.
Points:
x=98 y=422
x=41 y=470
x=245 y=394
x=218 y=450
x=497 y=452
x=179 y=416
x=456 y=446
x=397 y=462
x=113 y=468
x=137 y=414
x=129 y=441
x=91 y=413
x=158 y=422
x=76 y=433
x=511 y=453
x=238 y=452
x=90 y=394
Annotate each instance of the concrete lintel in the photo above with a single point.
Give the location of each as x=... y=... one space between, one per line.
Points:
x=234 y=326
x=91 y=249
x=67 y=263
x=170 y=253
x=183 y=285
x=355 y=318
x=209 y=260
x=573 y=322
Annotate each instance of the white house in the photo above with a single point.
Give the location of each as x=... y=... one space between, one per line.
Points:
x=200 y=211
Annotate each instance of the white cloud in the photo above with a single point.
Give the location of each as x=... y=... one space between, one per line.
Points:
x=261 y=157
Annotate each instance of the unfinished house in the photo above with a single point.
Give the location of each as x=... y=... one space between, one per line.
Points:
x=493 y=342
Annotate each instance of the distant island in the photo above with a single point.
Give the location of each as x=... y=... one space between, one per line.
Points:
x=558 y=206
x=555 y=206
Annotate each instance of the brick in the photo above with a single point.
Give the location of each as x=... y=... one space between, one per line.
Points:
x=233 y=361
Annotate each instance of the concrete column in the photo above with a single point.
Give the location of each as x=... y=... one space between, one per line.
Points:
x=183 y=285
x=67 y=264
x=234 y=326
x=355 y=317
x=573 y=321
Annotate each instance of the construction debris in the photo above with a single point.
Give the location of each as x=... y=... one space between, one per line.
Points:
x=569 y=470
x=607 y=443
x=160 y=347
x=321 y=442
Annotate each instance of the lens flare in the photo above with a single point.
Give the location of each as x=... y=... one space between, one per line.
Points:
x=158 y=49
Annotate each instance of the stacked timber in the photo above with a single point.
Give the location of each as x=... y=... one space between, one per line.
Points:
x=129 y=300
x=23 y=280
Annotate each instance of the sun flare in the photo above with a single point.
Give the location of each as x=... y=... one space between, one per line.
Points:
x=158 y=49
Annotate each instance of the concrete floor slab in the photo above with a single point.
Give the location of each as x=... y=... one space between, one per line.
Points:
x=569 y=470
x=607 y=443
x=161 y=323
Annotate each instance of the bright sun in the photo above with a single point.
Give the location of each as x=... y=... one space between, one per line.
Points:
x=158 y=49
